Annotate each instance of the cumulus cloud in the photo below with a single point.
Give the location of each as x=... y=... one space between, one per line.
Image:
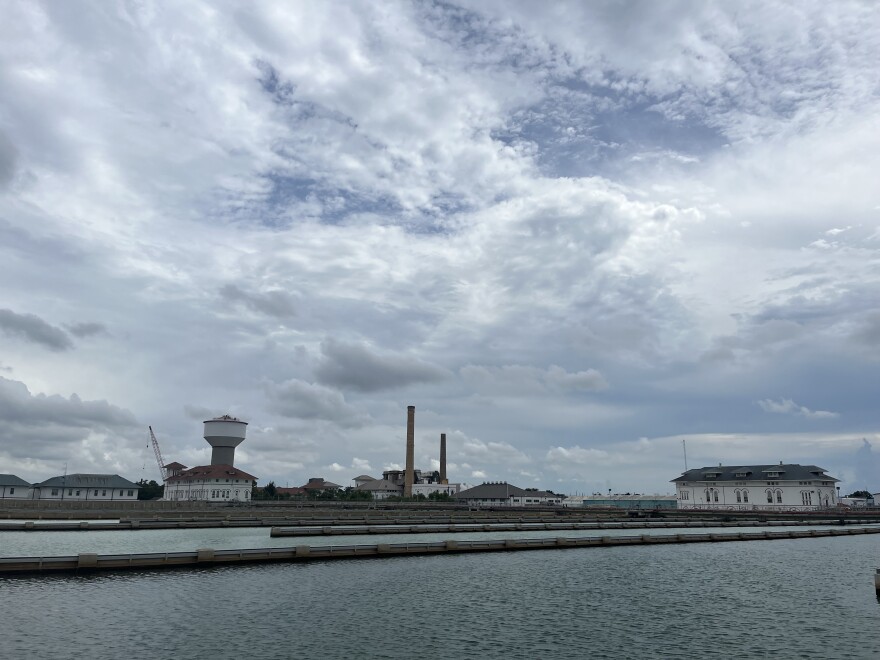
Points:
x=276 y=303
x=525 y=379
x=789 y=407
x=355 y=366
x=34 y=329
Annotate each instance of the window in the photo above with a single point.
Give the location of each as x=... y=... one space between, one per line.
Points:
x=769 y=497
x=103 y=493
x=738 y=497
x=715 y=493
x=69 y=492
x=779 y=497
x=12 y=491
x=54 y=491
x=130 y=493
x=745 y=496
x=77 y=493
x=807 y=497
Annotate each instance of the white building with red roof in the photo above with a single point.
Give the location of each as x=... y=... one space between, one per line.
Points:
x=220 y=481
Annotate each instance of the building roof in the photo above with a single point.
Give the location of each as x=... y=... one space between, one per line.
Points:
x=174 y=465
x=293 y=490
x=541 y=493
x=786 y=472
x=492 y=491
x=87 y=481
x=12 y=480
x=317 y=483
x=211 y=472
x=364 y=477
x=381 y=485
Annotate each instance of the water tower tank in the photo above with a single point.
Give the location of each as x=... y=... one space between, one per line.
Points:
x=224 y=434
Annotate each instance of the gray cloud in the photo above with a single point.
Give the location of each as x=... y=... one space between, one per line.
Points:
x=8 y=158
x=789 y=407
x=87 y=329
x=302 y=400
x=354 y=366
x=271 y=303
x=34 y=329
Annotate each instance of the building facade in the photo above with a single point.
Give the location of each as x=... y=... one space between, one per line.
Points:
x=505 y=494
x=15 y=488
x=755 y=487
x=210 y=483
x=108 y=487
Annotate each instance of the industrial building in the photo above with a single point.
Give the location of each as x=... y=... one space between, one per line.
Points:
x=220 y=481
x=409 y=482
x=756 y=487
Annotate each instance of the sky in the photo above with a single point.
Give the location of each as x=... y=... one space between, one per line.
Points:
x=580 y=238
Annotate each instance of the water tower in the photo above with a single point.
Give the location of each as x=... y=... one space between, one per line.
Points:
x=224 y=434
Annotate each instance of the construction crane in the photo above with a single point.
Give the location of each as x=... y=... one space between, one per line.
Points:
x=158 y=453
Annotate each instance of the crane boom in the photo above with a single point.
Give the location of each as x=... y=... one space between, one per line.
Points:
x=158 y=453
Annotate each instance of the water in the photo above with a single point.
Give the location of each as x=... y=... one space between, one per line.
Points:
x=809 y=598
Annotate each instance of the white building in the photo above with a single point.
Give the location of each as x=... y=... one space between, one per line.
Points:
x=755 y=487
x=210 y=483
x=427 y=489
x=381 y=489
x=14 y=488
x=109 y=487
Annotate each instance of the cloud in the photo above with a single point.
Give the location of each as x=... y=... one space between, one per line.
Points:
x=355 y=366
x=275 y=303
x=34 y=329
x=524 y=379
x=87 y=329
x=789 y=407
x=308 y=401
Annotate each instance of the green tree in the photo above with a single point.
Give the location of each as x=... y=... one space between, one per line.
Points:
x=150 y=489
x=859 y=493
x=269 y=490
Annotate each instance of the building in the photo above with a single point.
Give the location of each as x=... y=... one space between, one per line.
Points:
x=428 y=488
x=381 y=489
x=108 y=487
x=210 y=483
x=626 y=501
x=220 y=481
x=362 y=479
x=505 y=494
x=14 y=488
x=319 y=484
x=755 y=487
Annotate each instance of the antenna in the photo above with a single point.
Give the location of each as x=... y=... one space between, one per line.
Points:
x=685 y=450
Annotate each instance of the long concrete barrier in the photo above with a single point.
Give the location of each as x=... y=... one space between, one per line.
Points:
x=209 y=556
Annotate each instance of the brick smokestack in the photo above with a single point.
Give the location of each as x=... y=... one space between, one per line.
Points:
x=409 y=477
x=443 y=458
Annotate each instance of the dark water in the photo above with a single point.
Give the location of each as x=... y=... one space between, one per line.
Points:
x=810 y=598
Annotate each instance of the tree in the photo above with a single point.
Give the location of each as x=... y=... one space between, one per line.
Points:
x=859 y=493
x=150 y=489
x=269 y=490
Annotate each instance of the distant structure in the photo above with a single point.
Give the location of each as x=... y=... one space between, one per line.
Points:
x=501 y=494
x=409 y=478
x=755 y=487
x=75 y=487
x=15 y=488
x=220 y=481
x=224 y=434
x=443 y=479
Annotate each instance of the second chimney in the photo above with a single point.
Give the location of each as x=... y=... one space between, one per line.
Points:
x=443 y=458
x=410 y=450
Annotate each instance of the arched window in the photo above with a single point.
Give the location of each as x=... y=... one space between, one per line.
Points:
x=745 y=496
x=738 y=497
x=715 y=494
x=769 y=496
x=708 y=496
x=779 y=497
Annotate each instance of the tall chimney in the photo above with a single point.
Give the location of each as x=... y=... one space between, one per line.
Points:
x=443 y=458
x=409 y=477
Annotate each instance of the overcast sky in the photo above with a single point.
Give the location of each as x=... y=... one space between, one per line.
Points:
x=572 y=235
